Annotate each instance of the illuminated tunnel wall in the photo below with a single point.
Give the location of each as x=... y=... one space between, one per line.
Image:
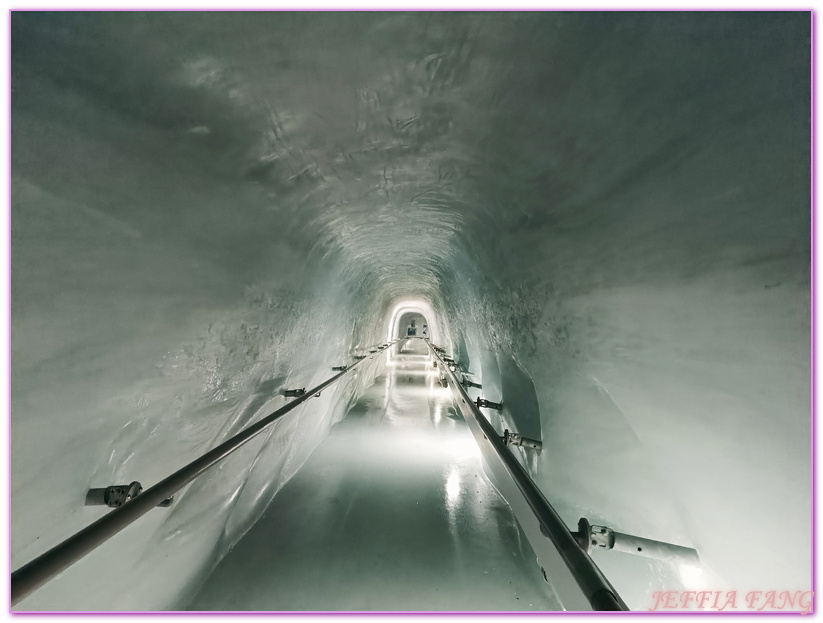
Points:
x=605 y=216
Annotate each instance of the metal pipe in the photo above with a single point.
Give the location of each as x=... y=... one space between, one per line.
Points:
x=513 y=439
x=649 y=548
x=591 y=581
x=34 y=574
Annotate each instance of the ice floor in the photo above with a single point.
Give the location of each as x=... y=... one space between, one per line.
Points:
x=391 y=512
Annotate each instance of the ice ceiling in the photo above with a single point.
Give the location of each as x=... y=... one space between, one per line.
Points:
x=607 y=213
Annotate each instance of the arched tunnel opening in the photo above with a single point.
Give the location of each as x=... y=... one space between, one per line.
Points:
x=578 y=242
x=410 y=323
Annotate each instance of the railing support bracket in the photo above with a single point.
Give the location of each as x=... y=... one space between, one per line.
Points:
x=513 y=439
x=488 y=404
x=594 y=588
x=591 y=537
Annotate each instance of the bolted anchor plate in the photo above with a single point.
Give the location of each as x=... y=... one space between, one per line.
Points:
x=513 y=439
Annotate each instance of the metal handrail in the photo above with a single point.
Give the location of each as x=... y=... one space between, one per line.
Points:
x=34 y=574
x=594 y=585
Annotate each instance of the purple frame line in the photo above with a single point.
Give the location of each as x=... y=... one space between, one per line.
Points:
x=814 y=302
x=359 y=613
x=436 y=612
x=8 y=305
x=442 y=9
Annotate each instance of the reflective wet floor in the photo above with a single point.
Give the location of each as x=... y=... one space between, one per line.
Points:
x=391 y=512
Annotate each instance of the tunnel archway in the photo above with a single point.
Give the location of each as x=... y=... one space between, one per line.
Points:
x=412 y=324
x=423 y=309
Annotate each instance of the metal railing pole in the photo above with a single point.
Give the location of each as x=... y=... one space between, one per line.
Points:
x=34 y=574
x=596 y=588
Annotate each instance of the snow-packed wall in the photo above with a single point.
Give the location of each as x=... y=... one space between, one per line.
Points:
x=605 y=216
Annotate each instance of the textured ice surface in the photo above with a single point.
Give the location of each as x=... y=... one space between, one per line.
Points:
x=608 y=214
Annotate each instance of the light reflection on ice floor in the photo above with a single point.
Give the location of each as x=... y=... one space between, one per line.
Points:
x=391 y=512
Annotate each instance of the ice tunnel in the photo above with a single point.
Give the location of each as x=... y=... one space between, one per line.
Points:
x=603 y=220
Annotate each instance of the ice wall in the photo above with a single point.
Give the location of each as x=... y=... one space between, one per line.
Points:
x=161 y=301
x=609 y=214
x=648 y=264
